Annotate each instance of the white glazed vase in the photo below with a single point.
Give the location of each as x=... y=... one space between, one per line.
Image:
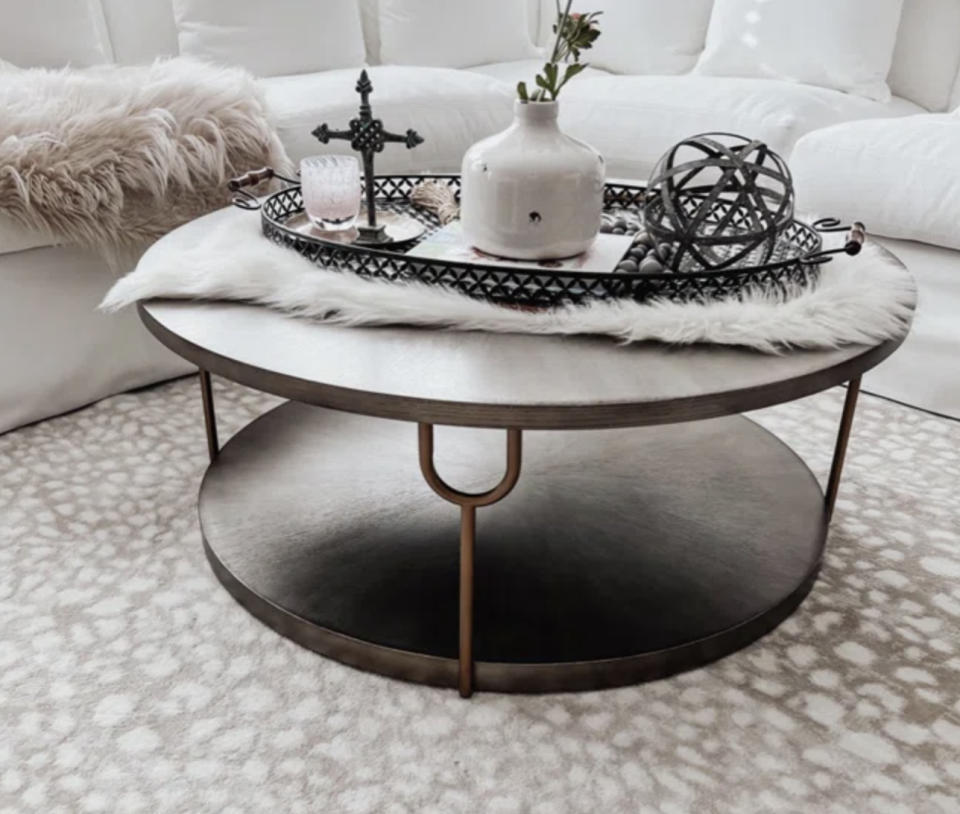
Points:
x=531 y=192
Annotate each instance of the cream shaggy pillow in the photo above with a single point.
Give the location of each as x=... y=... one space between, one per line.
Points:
x=117 y=156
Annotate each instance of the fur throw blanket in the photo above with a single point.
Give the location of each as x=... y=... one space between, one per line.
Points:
x=113 y=157
x=865 y=299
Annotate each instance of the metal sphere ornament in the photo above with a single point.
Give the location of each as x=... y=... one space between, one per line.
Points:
x=718 y=201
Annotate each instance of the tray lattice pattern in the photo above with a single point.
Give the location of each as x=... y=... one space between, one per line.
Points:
x=534 y=287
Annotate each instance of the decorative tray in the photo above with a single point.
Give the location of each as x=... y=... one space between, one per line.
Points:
x=795 y=259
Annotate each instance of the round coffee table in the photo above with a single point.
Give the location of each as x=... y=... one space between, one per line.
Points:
x=654 y=529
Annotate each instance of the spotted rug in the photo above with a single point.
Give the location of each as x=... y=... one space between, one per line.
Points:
x=131 y=682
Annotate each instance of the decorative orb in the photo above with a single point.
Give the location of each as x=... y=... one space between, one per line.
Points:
x=721 y=201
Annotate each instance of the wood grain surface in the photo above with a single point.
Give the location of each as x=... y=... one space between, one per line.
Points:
x=491 y=380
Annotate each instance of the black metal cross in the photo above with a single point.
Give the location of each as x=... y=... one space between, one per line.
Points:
x=368 y=137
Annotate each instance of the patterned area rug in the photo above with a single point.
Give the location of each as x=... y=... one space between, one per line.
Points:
x=131 y=682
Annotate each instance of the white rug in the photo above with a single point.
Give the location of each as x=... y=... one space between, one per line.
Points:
x=131 y=682
x=864 y=299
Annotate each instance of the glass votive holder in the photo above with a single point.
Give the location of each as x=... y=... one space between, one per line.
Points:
x=330 y=185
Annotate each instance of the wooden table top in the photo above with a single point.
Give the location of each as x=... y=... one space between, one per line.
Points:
x=492 y=380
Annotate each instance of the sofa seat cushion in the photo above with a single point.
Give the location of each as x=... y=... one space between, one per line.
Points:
x=451 y=109
x=524 y=70
x=60 y=352
x=633 y=120
x=14 y=238
x=900 y=177
x=924 y=371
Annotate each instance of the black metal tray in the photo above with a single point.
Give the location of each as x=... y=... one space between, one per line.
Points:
x=795 y=261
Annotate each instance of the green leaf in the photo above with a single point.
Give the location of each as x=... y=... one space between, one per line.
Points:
x=522 y=92
x=574 y=34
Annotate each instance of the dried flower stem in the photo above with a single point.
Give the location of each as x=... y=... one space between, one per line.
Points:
x=575 y=33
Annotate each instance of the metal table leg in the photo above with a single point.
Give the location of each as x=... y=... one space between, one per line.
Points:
x=209 y=415
x=468 y=503
x=840 y=452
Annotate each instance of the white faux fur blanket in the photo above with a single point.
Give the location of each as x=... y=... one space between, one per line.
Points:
x=113 y=156
x=863 y=299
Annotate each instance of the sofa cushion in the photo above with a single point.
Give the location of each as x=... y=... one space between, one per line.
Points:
x=453 y=33
x=900 y=177
x=924 y=371
x=633 y=120
x=142 y=31
x=525 y=70
x=61 y=352
x=927 y=57
x=54 y=34
x=846 y=46
x=370 y=19
x=272 y=39
x=370 y=12
x=451 y=110
x=641 y=36
x=14 y=238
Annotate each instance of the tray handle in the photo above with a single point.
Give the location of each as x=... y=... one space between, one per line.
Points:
x=246 y=200
x=856 y=237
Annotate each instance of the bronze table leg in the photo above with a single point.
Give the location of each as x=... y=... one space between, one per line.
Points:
x=840 y=452
x=209 y=415
x=468 y=503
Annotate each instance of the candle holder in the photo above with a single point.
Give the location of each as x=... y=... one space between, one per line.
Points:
x=331 y=191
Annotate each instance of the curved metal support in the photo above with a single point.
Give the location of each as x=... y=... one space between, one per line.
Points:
x=447 y=492
x=468 y=503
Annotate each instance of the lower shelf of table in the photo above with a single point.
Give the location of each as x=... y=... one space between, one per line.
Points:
x=621 y=556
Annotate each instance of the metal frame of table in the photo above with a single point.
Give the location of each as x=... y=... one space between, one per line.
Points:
x=597 y=675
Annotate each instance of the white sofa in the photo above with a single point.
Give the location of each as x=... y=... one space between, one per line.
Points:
x=891 y=164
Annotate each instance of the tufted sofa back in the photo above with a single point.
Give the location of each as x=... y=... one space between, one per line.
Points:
x=927 y=60
x=143 y=30
x=926 y=64
x=140 y=31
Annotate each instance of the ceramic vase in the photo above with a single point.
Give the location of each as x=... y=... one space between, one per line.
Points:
x=532 y=192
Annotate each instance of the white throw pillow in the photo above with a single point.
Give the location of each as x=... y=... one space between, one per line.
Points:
x=54 y=34
x=275 y=38
x=927 y=55
x=846 y=45
x=856 y=171
x=641 y=37
x=454 y=33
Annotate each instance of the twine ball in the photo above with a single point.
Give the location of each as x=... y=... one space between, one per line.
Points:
x=720 y=201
